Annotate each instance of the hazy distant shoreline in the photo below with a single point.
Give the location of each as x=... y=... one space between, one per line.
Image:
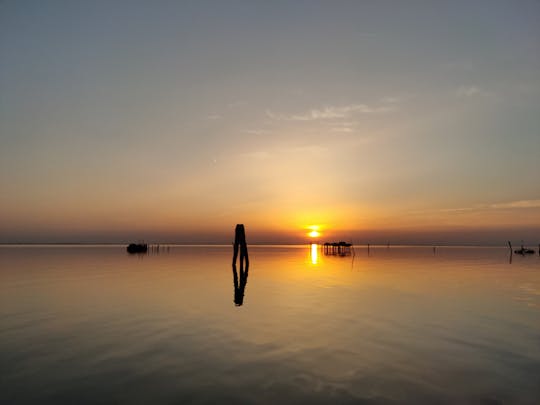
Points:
x=262 y=244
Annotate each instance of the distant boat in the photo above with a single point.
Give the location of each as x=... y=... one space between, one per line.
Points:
x=137 y=248
x=524 y=251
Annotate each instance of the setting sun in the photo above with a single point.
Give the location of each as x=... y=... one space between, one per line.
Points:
x=314 y=231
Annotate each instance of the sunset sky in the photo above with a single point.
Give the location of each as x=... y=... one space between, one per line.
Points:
x=407 y=121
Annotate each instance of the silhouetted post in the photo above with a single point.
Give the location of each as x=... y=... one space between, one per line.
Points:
x=240 y=245
x=510 y=246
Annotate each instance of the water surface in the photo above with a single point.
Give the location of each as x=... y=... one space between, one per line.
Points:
x=92 y=324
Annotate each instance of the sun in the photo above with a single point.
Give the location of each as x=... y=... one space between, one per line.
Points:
x=314 y=231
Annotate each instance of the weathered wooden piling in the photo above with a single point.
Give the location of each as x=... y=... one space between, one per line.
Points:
x=240 y=245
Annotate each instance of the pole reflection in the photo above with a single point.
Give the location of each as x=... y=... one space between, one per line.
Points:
x=240 y=283
x=240 y=246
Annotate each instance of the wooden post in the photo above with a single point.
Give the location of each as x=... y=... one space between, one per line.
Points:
x=240 y=245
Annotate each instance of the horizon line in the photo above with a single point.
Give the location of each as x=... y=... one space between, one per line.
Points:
x=385 y=245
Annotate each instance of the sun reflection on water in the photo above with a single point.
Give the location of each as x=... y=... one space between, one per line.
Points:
x=314 y=253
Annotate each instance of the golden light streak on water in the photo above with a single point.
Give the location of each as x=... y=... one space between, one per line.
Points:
x=314 y=253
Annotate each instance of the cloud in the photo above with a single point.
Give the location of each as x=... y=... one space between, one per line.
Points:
x=213 y=117
x=517 y=204
x=520 y=204
x=257 y=155
x=391 y=100
x=336 y=112
x=473 y=91
x=312 y=150
x=342 y=129
x=237 y=103
x=468 y=91
x=257 y=132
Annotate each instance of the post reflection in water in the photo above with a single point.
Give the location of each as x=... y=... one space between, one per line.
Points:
x=240 y=246
x=314 y=253
x=240 y=283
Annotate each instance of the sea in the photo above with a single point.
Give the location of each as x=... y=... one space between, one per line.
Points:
x=92 y=324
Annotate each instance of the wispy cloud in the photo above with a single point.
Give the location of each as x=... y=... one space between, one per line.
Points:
x=343 y=126
x=473 y=91
x=213 y=117
x=342 y=129
x=236 y=103
x=468 y=91
x=312 y=150
x=315 y=150
x=336 y=112
x=519 y=204
x=257 y=155
x=391 y=100
x=257 y=132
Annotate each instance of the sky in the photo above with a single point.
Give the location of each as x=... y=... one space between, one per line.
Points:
x=172 y=121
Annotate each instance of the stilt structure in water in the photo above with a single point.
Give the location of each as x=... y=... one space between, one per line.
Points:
x=338 y=248
x=137 y=248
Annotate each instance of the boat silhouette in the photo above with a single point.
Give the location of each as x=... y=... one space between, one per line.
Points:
x=523 y=251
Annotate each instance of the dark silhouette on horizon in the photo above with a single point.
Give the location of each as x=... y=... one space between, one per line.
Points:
x=523 y=251
x=240 y=281
x=338 y=248
x=137 y=248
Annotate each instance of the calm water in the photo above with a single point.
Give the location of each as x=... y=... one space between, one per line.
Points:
x=96 y=325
